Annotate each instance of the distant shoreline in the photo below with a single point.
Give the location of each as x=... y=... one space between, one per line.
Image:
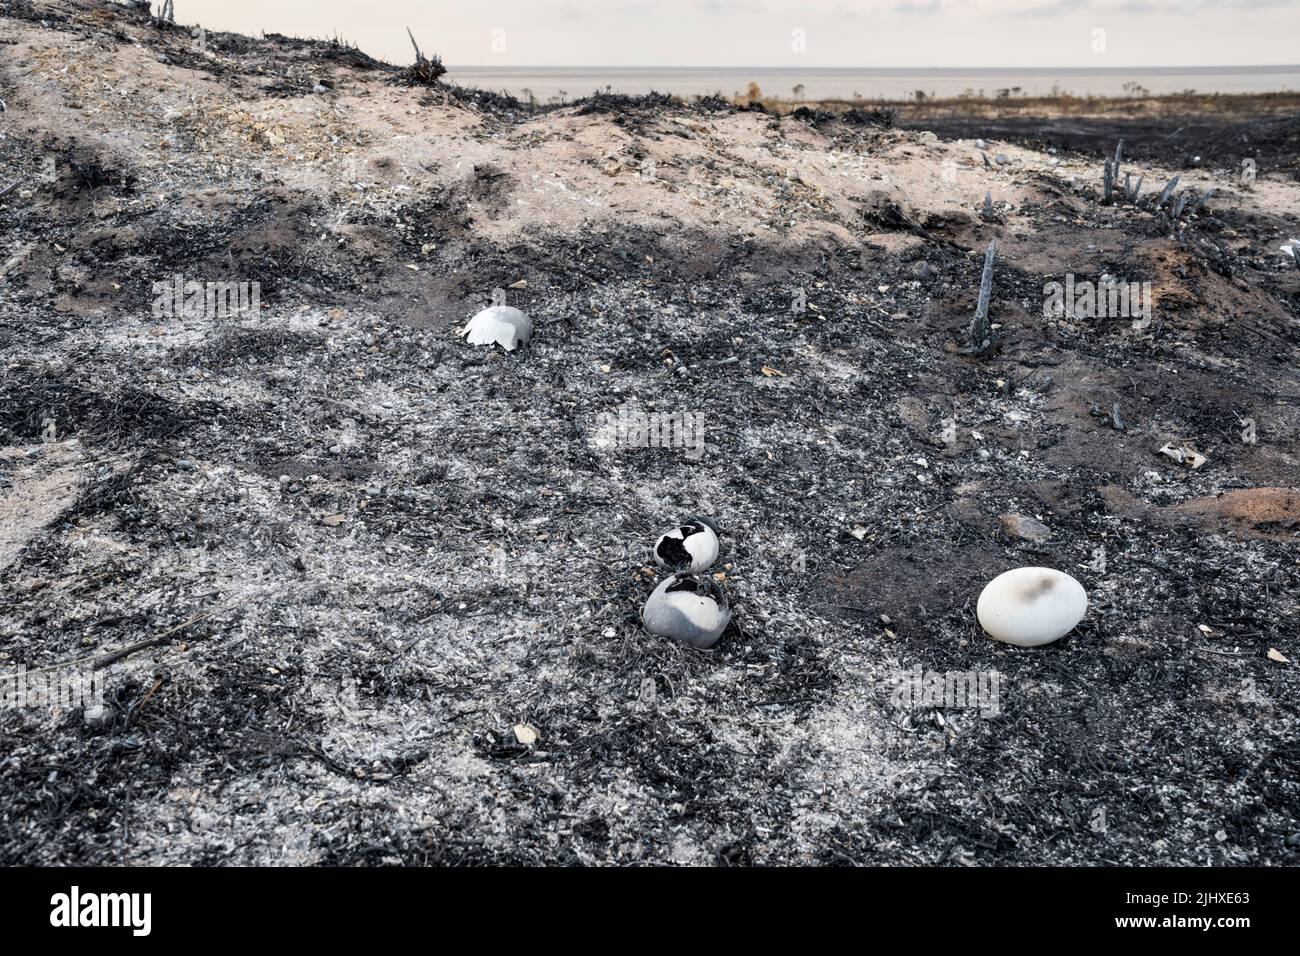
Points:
x=546 y=85
x=1061 y=104
x=884 y=70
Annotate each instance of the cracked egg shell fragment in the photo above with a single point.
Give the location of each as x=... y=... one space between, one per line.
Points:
x=688 y=609
x=502 y=325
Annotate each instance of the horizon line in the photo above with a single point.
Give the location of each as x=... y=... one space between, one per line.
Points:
x=909 y=69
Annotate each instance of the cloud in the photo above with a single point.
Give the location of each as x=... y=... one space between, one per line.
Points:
x=919 y=7
x=1237 y=4
x=1059 y=8
x=730 y=8
x=1062 y=8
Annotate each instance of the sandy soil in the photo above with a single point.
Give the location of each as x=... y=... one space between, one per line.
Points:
x=367 y=553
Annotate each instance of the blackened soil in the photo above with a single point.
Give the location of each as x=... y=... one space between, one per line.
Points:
x=365 y=594
x=1179 y=141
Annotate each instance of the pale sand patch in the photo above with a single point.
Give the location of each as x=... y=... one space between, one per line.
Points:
x=46 y=479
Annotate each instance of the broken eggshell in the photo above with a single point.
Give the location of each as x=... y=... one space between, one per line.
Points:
x=688 y=609
x=1184 y=455
x=502 y=325
x=1029 y=607
x=690 y=548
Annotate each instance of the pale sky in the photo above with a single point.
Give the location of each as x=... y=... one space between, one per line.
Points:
x=836 y=33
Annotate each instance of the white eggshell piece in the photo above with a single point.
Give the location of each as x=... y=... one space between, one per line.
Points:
x=702 y=546
x=1029 y=607
x=502 y=325
x=694 y=619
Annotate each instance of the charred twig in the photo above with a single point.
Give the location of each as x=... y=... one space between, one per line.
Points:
x=854 y=607
x=10 y=188
x=136 y=707
x=1166 y=193
x=1110 y=173
x=892 y=216
x=99 y=662
x=981 y=331
x=1132 y=191
x=1177 y=207
x=1112 y=417
x=114 y=656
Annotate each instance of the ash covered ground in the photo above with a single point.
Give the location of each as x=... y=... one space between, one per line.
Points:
x=362 y=552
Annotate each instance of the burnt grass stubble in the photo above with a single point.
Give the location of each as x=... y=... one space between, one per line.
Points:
x=479 y=453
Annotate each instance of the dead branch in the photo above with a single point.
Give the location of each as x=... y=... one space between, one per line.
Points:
x=419 y=57
x=426 y=70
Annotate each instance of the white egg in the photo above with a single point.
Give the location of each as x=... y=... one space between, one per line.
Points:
x=502 y=325
x=691 y=610
x=1031 y=606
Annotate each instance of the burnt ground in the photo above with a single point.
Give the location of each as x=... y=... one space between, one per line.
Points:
x=1180 y=140
x=362 y=553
